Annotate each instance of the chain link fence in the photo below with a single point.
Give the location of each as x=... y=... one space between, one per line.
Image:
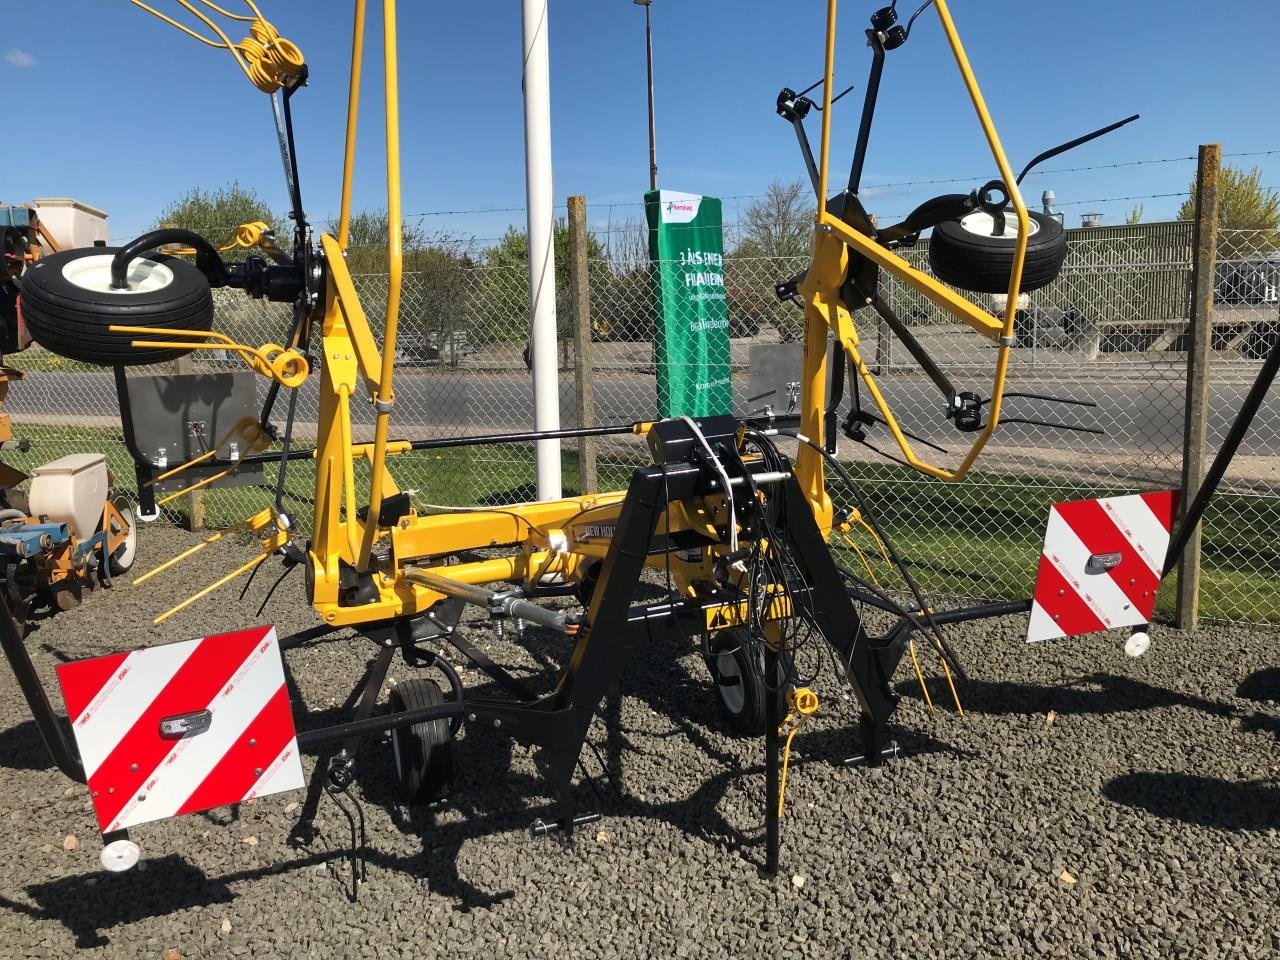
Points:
x=1109 y=336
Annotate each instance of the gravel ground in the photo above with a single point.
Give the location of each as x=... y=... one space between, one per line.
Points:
x=1086 y=805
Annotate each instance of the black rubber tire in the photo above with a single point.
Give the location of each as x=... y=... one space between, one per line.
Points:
x=423 y=752
x=737 y=670
x=982 y=264
x=72 y=321
x=14 y=499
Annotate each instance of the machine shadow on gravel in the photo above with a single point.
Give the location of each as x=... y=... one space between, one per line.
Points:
x=495 y=797
x=90 y=905
x=1201 y=801
x=22 y=748
x=1095 y=693
x=1261 y=686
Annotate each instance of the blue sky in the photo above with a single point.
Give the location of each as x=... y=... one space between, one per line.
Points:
x=112 y=107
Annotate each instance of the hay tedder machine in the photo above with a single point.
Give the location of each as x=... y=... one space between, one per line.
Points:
x=736 y=529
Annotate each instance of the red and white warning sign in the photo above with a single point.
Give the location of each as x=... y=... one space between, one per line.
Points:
x=182 y=727
x=1101 y=565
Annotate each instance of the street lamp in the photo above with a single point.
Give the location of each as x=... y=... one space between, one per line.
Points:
x=648 y=43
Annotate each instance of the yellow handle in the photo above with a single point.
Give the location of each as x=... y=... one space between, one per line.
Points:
x=804 y=704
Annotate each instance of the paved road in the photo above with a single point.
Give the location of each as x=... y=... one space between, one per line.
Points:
x=1141 y=415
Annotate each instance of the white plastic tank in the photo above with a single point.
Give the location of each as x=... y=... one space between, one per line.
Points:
x=71 y=490
x=72 y=223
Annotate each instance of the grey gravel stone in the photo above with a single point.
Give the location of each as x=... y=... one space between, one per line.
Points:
x=1155 y=786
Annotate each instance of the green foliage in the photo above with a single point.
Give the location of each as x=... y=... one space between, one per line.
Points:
x=431 y=299
x=1134 y=215
x=622 y=304
x=499 y=310
x=777 y=233
x=780 y=224
x=1244 y=204
x=216 y=214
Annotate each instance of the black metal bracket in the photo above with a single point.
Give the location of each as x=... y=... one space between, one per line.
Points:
x=208 y=260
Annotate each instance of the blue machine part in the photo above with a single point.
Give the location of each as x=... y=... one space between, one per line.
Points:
x=22 y=540
x=15 y=217
x=99 y=539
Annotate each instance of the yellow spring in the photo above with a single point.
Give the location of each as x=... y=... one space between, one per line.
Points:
x=273 y=61
x=267 y=59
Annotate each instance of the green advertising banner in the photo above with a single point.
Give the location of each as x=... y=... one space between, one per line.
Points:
x=691 y=336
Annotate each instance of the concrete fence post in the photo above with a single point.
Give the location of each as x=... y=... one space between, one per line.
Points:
x=195 y=499
x=1204 y=245
x=580 y=291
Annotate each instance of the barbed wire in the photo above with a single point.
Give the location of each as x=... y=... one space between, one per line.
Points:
x=609 y=206
x=1148 y=196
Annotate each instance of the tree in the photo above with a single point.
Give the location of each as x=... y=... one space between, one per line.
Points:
x=779 y=224
x=433 y=283
x=1134 y=215
x=367 y=250
x=1248 y=213
x=776 y=236
x=500 y=308
x=216 y=214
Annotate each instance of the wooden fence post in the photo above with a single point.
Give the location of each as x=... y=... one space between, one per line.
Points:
x=580 y=291
x=1200 y=342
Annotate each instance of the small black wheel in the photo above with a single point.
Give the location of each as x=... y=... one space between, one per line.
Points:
x=68 y=304
x=964 y=253
x=20 y=580
x=13 y=499
x=737 y=669
x=588 y=579
x=423 y=752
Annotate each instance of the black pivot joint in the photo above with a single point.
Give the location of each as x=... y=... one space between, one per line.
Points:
x=885 y=23
x=791 y=106
x=267 y=281
x=966 y=410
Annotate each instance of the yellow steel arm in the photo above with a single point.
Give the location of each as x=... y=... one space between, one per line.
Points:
x=827 y=315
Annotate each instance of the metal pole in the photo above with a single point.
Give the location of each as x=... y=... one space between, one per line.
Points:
x=195 y=499
x=1196 y=426
x=539 y=192
x=653 y=147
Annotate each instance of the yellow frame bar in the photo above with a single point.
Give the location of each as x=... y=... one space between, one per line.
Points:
x=352 y=358
x=834 y=239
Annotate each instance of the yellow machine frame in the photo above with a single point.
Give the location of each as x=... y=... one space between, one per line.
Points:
x=552 y=537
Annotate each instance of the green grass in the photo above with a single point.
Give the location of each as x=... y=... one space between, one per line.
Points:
x=980 y=538
x=38 y=360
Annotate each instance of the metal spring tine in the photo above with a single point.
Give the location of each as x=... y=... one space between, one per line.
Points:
x=837 y=98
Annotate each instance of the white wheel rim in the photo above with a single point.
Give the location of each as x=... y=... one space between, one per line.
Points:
x=126 y=552
x=982 y=223
x=733 y=695
x=93 y=273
